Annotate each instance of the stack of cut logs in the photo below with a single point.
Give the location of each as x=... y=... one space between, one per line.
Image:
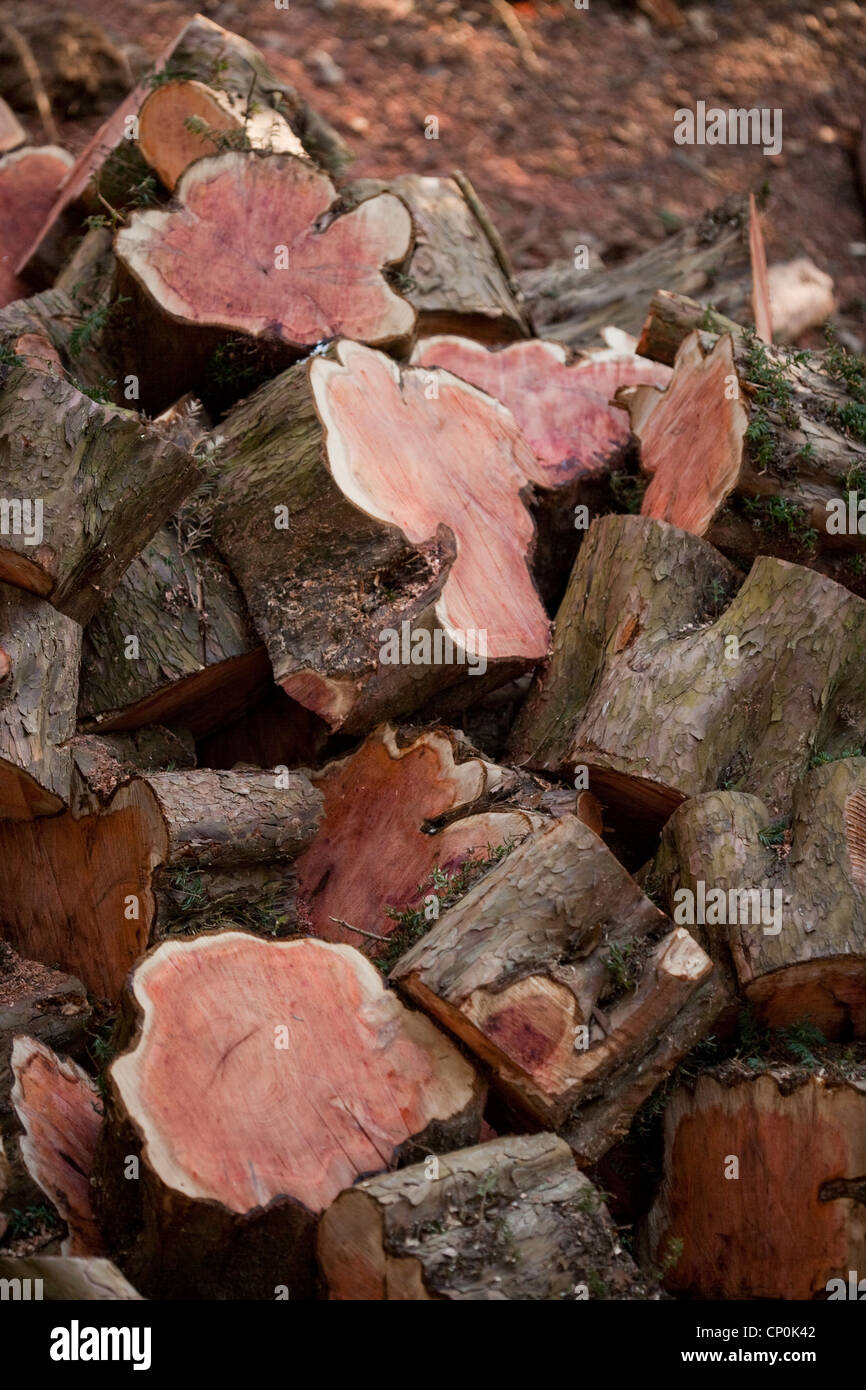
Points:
x=391 y=651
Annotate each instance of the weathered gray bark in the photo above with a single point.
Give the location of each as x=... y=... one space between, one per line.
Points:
x=510 y=1219
x=70 y=1278
x=649 y=691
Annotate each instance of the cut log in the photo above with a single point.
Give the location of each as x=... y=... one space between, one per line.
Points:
x=778 y=430
x=172 y=644
x=794 y=919
x=273 y=732
x=106 y=482
x=253 y=246
x=708 y=258
x=49 y=1007
x=511 y=1219
x=397 y=526
x=112 y=164
x=55 y=333
x=103 y=763
x=371 y=858
x=65 y=1278
x=761 y=310
x=748 y=1159
x=184 y=121
x=29 y=180
x=527 y=968
x=167 y=850
x=39 y=654
x=12 y=133
x=263 y=1079
x=60 y=1110
x=460 y=279
x=664 y=684
x=560 y=404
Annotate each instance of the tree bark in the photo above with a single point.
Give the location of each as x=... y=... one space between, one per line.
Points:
x=68 y=1279
x=664 y=685
x=557 y=971
x=315 y=1076
x=511 y=1219
x=765 y=1229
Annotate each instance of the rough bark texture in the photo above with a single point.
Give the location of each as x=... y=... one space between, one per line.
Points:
x=245 y=1139
x=815 y=965
x=769 y=1231
x=647 y=691
x=39 y=655
x=42 y=1004
x=105 y=762
x=524 y=967
x=70 y=1279
x=60 y=1110
x=381 y=529
x=104 y=483
x=372 y=854
x=708 y=258
x=778 y=429
x=168 y=850
x=512 y=1219
x=199 y=661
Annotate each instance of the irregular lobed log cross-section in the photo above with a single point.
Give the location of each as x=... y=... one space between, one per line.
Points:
x=29 y=179
x=758 y=448
x=263 y=1078
x=93 y=890
x=510 y=1219
x=561 y=405
x=44 y=1005
x=60 y=1110
x=371 y=852
x=793 y=917
x=525 y=971
x=772 y=1227
x=380 y=534
x=243 y=249
x=664 y=685
x=104 y=481
x=39 y=654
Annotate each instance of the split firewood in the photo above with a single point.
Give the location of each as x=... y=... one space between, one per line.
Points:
x=789 y=901
x=111 y=166
x=39 y=654
x=376 y=520
x=511 y=1219
x=183 y=121
x=665 y=683
x=371 y=858
x=172 y=644
x=778 y=429
x=60 y=1110
x=69 y=1278
x=558 y=972
x=50 y=1008
x=751 y=1164
x=262 y=1079
x=167 y=850
x=12 y=133
x=29 y=180
x=292 y=273
x=572 y=303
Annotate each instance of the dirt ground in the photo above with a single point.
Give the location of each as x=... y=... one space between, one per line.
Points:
x=571 y=139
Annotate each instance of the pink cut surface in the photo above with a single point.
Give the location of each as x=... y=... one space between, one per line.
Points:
x=29 y=180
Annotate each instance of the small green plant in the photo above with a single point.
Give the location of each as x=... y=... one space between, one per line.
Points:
x=8 y=358
x=92 y=324
x=819 y=759
x=799 y=1039
x=781 y=514
x=619 y=962
x=628 y=490
x=774 y=833
x=30 y=1221
x=596 y=1285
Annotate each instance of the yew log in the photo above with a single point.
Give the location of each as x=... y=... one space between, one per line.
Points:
x=169 y=849
x=385 y=508
x=60 y=1110
x=748 y=1160
x=48 y=1007
x=70 y=1278
x=12 y=133
x=664 y=683
x=793 y=915
x=262 y=1079
x=558 y=972
x=371 y=856
x=39 y=654
x=511 y=1219
x=29 y=180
